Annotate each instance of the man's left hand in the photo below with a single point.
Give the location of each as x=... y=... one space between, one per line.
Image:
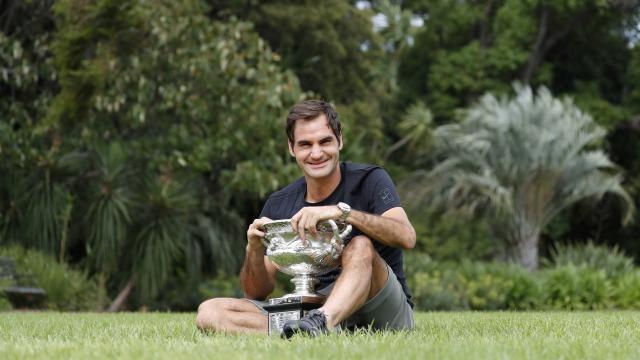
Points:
x=308 y=217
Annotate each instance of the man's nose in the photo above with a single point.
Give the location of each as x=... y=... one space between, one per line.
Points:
x=316 y=151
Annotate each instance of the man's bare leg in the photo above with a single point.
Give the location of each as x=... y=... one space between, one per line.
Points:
x=364 y=274
x=231 y=316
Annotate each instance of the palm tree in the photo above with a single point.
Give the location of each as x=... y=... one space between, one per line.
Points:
x=519 y=162
x=141 y=225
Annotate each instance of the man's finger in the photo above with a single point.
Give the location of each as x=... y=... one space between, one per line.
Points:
x=263 y=220
x=295 y=221
x=301 y=227
x=258 y=233
x=313 y=222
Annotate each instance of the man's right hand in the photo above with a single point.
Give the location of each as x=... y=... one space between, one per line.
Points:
x=255 y=234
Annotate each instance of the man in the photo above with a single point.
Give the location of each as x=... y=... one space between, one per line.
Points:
x=369 y=289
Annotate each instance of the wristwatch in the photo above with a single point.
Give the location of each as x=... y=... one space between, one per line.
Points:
x=346 y=210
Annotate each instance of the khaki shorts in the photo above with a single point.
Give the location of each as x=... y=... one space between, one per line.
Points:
x=388 y=310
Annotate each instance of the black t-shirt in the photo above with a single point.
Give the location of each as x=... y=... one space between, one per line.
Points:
x=364 y=187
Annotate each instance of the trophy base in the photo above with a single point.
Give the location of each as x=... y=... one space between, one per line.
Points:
x=290 y=307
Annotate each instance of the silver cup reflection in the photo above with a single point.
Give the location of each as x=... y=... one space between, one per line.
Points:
x=305 y=259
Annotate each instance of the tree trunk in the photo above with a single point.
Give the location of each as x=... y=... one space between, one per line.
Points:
x=546 y=38
x=102 y=294
x=122 y=296
x=537 y=51
x=525 y=252
x=485 y=26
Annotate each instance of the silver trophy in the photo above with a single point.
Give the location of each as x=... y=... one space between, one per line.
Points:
x=305 y=260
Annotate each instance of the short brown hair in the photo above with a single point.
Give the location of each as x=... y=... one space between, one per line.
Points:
x=309 y=110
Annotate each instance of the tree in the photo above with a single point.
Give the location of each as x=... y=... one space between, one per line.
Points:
x=142 y=161
x=519 y=162
x=337 y=56
x=467 y=48
x=330 y=46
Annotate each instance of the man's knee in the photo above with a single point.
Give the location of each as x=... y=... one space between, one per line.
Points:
x=210 y=312
x=359 y=248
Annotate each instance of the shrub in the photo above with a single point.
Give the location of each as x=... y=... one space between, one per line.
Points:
x=498 y=286
x=436 y=291
x=576 y=287
x=221 y=286
x=626 y=292
x=67 y=289
x=470 y=285
x=4 y=302
x=611 y=260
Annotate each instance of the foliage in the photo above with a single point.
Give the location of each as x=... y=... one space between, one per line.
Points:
x=331 y=48
x=67 y=289
x=470 y=285
x=125 y=124
x=415 y=129
x=121 y=168
x=450 y=236
x=610 y=260
x=576 y=287
x=626 y=290
x=519 y=162
x=336 y=54
x=221 y=286
x=469 y=48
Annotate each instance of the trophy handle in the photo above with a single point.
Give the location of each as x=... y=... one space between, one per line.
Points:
x=268 y=241
x=337 y=236
x=337 y=242
x=346 y=232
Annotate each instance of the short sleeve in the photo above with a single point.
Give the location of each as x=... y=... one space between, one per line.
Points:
x=268 y=209
x=383 y=193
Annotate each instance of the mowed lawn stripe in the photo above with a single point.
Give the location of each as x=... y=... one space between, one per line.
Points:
x=463 y=335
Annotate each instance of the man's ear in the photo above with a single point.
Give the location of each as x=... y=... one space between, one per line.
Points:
x=341 y=142
x=291 y=149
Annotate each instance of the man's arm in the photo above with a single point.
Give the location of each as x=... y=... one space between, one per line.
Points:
x=392 y=228
x=258 y=274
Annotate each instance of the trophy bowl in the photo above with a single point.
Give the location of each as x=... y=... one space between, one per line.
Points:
x=305 y=259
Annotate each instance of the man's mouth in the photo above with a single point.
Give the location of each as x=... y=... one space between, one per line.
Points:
x=318 y=164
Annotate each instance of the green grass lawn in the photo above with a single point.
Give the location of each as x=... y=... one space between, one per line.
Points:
x=467 y=335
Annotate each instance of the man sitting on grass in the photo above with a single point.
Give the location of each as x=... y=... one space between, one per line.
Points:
x=369 y=289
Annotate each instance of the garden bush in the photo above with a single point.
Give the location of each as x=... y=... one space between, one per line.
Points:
x=612 y=261
x=497 y=286
x=4 y=301
x=576 y=287
x=67 y=289
x=224 y=285
x=588 y=285
x=221 y=286
x=626 y=290
x=470 y=285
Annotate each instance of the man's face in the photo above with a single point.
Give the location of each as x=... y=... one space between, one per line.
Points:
x=315 y=147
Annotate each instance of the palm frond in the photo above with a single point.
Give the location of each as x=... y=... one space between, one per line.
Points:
x=44 y=207
x=526 y=158
x=111 y=199
x=164 y=232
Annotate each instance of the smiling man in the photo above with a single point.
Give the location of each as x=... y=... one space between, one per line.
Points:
x=369 y=289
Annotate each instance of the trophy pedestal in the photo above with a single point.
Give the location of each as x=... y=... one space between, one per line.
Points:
x=288 y=308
